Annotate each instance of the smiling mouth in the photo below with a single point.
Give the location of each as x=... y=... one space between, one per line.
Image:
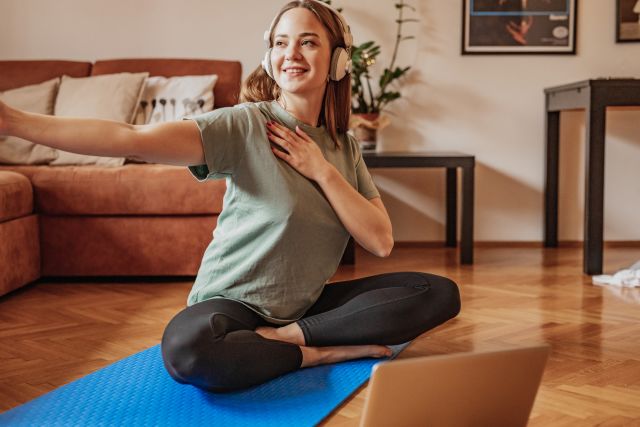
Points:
x=295 y=71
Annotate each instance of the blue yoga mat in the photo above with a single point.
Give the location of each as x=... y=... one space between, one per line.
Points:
x=137 y=391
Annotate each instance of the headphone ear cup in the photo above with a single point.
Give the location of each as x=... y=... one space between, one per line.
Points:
x=266 y=63
x=340 y=64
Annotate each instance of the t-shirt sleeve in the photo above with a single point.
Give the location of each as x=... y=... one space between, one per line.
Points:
x=365 y=184
x=224 y=134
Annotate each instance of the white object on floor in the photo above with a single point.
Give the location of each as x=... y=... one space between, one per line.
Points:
x=627 y=278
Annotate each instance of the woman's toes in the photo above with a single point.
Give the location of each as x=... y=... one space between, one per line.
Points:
x=382 y=351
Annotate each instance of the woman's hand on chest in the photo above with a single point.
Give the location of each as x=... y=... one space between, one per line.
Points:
x=303 y=154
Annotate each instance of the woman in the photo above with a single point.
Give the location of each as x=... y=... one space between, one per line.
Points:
x=259 y=307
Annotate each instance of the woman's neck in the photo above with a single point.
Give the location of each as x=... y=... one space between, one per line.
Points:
x=304 y=108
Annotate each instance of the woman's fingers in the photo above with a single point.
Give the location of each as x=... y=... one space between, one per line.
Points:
x=284 y=132
x=302 y=153
x=280 y=154
x=303 y=135
x=292 y=142
x=278 y=140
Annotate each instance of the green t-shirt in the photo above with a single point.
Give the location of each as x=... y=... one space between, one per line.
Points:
x=278 y=240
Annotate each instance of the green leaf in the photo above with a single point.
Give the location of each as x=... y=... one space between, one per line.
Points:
x=388 y=97
x=385 y=78
x=365 y=45
x=401 y=21
x=399 y=72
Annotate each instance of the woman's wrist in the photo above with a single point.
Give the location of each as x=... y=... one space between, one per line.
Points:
x=326 y=174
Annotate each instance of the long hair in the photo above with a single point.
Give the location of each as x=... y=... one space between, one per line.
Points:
x=336 y=105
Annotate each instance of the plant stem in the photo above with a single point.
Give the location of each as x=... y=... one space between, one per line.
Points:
x=395 y=50
x=398 y=35
x=373 y=101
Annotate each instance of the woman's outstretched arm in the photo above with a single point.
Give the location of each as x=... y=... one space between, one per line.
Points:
x=173 y=143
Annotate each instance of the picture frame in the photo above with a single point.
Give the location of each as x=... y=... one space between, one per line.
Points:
x=519 y=27
x=627 y=21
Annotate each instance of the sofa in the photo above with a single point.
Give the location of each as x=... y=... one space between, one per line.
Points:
x=131 y=220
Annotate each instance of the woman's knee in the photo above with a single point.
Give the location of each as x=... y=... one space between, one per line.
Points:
x=191 y=349
x=448 y=295
x=180 y=349
x=442 y=291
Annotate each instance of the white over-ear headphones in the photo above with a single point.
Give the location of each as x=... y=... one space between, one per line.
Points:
x=340 y=58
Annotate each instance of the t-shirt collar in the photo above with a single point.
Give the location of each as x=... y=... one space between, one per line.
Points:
x=291 y=122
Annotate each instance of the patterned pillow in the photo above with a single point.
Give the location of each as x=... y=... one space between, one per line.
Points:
x=169 y=99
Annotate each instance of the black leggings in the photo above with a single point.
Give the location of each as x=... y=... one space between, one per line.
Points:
x=212 y=344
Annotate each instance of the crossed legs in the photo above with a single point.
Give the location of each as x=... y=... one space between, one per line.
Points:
x=221 y=345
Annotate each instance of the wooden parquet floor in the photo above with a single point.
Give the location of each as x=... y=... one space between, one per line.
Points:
x=52 y=333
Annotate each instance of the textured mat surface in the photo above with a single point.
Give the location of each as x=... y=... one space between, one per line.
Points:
x=137 y=391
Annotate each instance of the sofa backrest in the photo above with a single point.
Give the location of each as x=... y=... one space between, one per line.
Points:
x=15 y=74
x=226 y=91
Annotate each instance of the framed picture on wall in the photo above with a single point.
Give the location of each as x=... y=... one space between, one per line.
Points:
x=519 y=26
x=627 y=21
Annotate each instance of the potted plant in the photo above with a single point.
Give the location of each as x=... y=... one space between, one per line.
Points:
x=368 y=103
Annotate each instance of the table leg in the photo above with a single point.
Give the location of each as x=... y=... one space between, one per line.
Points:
x=552 y=125
x=595 y=122
x=452 y=207
x=466 y=238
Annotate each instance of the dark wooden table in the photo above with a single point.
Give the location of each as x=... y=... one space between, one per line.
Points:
x=593 y=96
x=452 y=161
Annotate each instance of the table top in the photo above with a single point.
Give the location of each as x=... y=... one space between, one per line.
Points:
x=588 y=93
x=417 y=158
x=600 y=82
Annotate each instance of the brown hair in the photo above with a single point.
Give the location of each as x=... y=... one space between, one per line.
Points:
x=336 y=106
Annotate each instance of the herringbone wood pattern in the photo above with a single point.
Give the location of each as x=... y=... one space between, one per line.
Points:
x=52 y=333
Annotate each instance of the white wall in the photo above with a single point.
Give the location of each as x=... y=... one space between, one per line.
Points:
x=490 y=106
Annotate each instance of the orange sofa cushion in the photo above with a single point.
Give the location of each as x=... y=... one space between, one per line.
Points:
x=133 y=189
x=19 y=252
x=16 y=196
x=124 y=246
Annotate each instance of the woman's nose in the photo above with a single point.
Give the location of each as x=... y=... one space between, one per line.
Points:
x=292 y=51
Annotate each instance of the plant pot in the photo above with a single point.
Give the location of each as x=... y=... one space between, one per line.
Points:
x=365 y=128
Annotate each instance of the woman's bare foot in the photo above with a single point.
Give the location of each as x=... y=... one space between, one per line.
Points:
x=312 y=356
x=290 y=333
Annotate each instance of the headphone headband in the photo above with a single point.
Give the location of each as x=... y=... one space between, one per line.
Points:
x=346 y=30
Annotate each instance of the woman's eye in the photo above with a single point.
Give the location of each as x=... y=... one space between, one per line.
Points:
x=308 y=41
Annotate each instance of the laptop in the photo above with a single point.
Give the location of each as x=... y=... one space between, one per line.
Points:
x=490 y=389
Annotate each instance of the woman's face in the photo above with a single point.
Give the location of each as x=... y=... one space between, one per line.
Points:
x=301 y=53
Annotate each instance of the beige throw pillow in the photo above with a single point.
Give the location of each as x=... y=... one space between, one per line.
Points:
x=109 y=96
x=38 y=98
x=167 y=99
